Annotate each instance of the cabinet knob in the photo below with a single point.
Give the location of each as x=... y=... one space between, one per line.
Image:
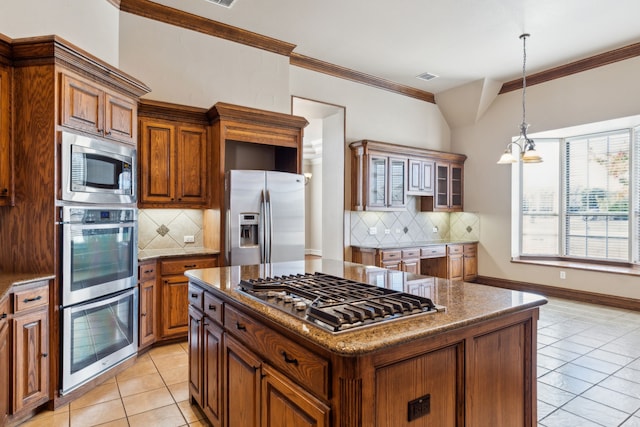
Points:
x=240 y=326
x=190 y=266
x=194 y=295
x=3 y=316
x=5 y=190
x=27 y=300
x=143 y=314
x=45 y=354
x=212 y=307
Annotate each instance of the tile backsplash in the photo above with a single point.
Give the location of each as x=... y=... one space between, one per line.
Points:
x=166 y=228
x=411 y=225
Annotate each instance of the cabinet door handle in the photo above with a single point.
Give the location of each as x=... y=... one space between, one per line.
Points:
x=27 y=300
x=240 y=326
x=288 y=359
x=143 y=314
x=148 y=271
x=194 y=295
x=3 y=316
x=212 y=307
x=45 y=354
x=190 y=266
x=5 y=190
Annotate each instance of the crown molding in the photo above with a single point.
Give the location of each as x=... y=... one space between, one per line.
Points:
x=169 y=15
x=356 y=76
x=616 y=55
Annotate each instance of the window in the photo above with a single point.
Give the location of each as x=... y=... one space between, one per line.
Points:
x=576 y=204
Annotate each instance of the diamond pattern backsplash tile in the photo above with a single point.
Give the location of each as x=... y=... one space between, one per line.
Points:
x=390 y=227
x=166 y=228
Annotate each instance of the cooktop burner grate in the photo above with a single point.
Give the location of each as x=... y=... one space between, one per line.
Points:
x=336 y=303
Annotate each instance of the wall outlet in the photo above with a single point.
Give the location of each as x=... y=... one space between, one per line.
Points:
x=435 y=229
x=189 y=239
x=387 y=231
x=372 y=231
x=563 y=274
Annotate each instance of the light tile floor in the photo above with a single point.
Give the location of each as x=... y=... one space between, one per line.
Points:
x=588 y=375
x=153 y=392
x=588 y=366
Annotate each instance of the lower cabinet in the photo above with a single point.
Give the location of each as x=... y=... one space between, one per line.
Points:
x=455 y=262
x=173 y=286
x=4 y=360
x=30 y=347
x=148 y=300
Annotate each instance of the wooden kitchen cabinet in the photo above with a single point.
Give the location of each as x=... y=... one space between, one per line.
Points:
x=6 y=142
x=470 y=262
x=449 y=183
x=30 y=347
x=148 y=301
x=5 y=351
x=421 y=177
x=270 y=399
x=173 y=163
x=91 y=108
x=174 y=296
x=455 y=262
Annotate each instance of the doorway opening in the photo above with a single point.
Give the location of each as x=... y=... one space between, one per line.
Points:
x=323 y=165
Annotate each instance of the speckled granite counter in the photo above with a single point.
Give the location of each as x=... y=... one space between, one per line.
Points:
x=148 y=254
x=7 y=280
x=466 y=303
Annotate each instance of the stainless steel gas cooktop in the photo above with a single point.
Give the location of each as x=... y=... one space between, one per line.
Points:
x=335 y=303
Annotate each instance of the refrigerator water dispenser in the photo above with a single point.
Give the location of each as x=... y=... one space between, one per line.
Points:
x=249 y=230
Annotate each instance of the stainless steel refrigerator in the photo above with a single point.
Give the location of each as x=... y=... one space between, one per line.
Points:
x=265 y=217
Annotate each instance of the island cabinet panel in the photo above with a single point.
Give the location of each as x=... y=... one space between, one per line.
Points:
x=499 y=366
x=422 y=391
x=286 y=404
x=212 y=353
x=242 y=385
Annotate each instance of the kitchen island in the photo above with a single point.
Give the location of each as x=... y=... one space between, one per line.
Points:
x=471 y=364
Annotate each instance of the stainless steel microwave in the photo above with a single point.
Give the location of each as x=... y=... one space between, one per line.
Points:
x=97 y=171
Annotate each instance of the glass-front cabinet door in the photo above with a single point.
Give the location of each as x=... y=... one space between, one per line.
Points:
x=397 y=182
x=442 y=186
x=456 y=187
x=387 y=182
x=377 y=182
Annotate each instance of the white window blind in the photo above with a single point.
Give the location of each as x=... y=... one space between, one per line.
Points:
x=540 y=202
x=597 y=196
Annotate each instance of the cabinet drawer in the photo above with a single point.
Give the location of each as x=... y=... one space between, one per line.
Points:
x=454 y=249
x=196 y=296
x=213 y=307
x=296 y=362
x=146 y=272
x=410 y=253
x=391 y=255
x=433 y=251
x=471 y=249
x=179 y=266
x=27 y=299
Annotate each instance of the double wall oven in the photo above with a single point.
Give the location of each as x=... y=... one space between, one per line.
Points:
x=99 y=257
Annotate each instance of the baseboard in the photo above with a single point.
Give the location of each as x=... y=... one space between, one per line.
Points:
x=570 y=294
x=314 y=252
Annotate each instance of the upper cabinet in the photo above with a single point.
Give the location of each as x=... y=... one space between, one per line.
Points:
x=173 y=156
x=383 y=174
x=421 y=177
x=91 y=108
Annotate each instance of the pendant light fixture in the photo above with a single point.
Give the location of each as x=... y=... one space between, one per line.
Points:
x=527 y=151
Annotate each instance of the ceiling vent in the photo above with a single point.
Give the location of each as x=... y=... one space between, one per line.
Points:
x=225 y=3
x=426 y=76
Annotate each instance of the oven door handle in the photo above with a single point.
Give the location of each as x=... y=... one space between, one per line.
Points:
x=98 y=226
x=99 y=302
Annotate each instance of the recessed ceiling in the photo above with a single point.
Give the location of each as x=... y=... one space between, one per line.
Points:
x=460 y=41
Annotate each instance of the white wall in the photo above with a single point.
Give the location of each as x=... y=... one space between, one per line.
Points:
x=90 y=25
x=600 y=94
x=313 y=208
x=191 y=68
x=374 y=113
x=333 y=186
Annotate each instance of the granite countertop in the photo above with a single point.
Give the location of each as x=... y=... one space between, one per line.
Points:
x=148 y=254
x=7 y=280
x=414 y=244
x=466 y=303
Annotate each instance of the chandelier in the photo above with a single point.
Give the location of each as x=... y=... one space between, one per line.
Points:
x=527 y=151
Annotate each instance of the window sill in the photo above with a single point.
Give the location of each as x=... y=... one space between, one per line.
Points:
x=626 y=269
